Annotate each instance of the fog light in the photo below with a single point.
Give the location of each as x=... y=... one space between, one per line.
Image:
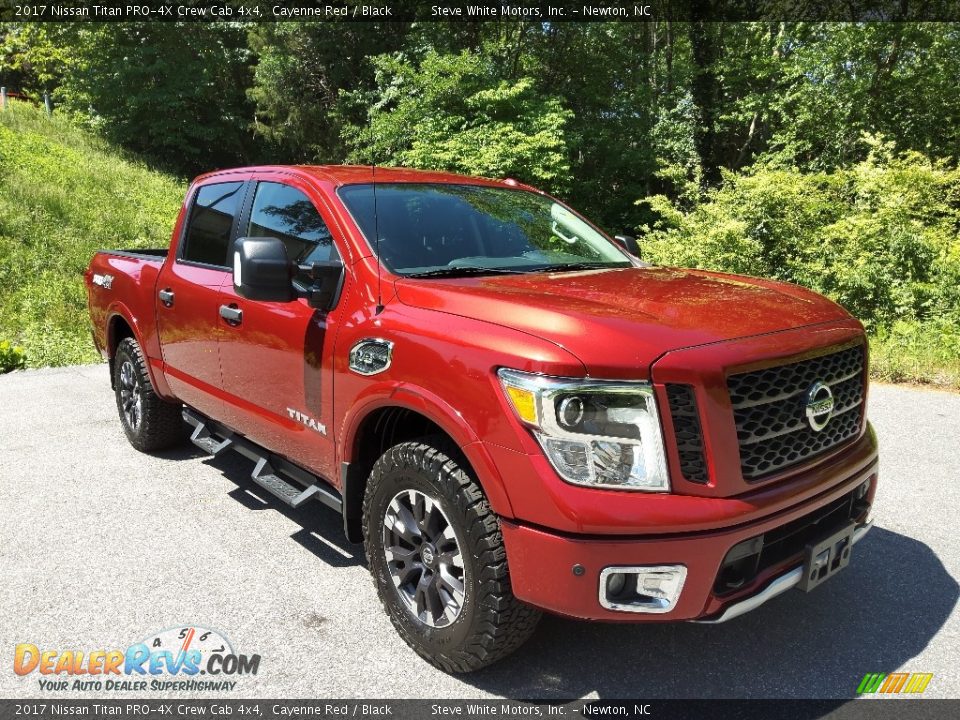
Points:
x=645 y=589
x=615 y=584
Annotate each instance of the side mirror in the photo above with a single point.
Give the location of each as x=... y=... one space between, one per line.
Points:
x=629 y=244
x=262 y=270
x=327 y=282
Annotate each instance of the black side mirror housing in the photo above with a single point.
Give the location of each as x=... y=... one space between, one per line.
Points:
x=327 y=278
x=262 y=271
x=628 y=243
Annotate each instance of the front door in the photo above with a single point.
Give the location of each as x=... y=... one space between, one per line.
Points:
x=188 y=293
x=275 y=357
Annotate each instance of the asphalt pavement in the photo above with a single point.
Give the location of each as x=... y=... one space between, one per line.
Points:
x=102 y=546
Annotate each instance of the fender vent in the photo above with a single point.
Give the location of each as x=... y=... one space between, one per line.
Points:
x=687 y=431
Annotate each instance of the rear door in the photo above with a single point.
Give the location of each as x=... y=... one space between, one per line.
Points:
x=187 y=293
x=275 y=360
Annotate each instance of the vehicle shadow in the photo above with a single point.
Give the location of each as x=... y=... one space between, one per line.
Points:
x=321 y=529
x=874 y=617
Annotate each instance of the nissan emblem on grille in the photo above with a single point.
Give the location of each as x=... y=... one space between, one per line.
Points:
x=819 y=407
x=787 y=414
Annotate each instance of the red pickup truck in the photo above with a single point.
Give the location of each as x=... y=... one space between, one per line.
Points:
x=512 y=411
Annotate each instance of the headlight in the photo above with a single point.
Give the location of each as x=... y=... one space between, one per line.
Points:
x=594 y=432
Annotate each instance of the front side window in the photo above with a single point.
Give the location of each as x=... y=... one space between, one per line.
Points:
x=211 y=220
x=438 y=229
x=283 y=212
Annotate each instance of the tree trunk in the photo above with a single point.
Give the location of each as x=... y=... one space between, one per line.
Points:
x=704 y=92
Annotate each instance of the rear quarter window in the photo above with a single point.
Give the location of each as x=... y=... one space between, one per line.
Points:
x=211 y=222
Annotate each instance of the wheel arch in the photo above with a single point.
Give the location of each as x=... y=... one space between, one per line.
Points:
x=121 y=324
x=118 y=329
x=380 y=424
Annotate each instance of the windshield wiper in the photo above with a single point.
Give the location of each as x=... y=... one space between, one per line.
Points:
x=576 y=266
x=464 y=271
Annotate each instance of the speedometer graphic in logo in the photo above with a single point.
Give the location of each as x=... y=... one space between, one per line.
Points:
x=189 y=640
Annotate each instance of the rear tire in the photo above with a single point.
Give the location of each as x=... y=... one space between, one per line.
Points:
x=149 y=422
x=437 y=557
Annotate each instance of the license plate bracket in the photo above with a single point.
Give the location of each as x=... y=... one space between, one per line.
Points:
x=826 y=557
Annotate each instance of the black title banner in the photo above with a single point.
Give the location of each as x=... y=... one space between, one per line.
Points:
x=546 y=11
x=633 y=709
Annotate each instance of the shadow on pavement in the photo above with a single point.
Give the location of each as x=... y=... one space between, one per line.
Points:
x=873 y=617
x=321 y=528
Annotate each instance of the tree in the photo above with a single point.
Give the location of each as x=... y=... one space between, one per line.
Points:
x=174 y=92
x=300 y=71
x=453 y=112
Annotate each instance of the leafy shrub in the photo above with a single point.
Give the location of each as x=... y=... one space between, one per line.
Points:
x=879 y=237
x=12 y=357
x=917 y=352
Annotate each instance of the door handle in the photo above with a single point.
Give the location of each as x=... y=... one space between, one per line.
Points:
x=232 y=314
x=166 y=297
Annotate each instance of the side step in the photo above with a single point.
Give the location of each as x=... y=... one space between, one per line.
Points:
x=211 y=437
x=205 y=440
x=266 y=477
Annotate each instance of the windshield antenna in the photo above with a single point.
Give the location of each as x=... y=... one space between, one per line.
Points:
x=376 y=232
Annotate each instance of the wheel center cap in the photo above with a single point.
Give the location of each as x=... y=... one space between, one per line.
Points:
x=428 y=555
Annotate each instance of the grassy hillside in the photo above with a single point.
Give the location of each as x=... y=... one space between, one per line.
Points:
x=63 y=194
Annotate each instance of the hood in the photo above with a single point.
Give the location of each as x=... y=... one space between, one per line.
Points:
x=620 y=320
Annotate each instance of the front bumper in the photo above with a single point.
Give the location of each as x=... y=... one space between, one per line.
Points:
x=780 y=585
x=561 y=573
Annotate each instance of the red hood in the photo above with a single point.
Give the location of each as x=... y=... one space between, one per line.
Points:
x=619 y=321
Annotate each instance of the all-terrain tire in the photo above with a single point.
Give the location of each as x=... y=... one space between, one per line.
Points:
x=149 y=422
x=490 y=623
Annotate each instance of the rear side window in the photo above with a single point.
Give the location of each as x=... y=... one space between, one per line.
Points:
x=283 y=212
x=211 y=220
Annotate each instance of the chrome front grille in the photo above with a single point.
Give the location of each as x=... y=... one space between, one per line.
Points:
x=770 y=410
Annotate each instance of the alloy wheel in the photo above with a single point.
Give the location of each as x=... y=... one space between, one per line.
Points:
x=131 y=398
x=423 y=558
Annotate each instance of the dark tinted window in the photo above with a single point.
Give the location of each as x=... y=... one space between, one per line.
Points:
x=211 y=220
x=429 y=227
x=283 y=212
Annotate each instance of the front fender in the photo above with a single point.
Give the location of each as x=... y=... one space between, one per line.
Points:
x=420 y=400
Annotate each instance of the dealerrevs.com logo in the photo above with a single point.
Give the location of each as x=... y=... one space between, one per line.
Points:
x=186 y=658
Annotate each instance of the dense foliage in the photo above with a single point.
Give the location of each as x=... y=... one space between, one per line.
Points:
x=452 y=112
x=821 y=153
x=880 y=236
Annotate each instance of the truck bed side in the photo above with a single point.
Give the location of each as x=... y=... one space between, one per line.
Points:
x=121 y=288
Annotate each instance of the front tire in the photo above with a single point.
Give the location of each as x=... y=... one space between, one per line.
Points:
x=149 y=422
x=437 y=557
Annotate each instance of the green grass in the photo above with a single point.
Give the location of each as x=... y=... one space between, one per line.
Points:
x=924 y=354
x=63 y=194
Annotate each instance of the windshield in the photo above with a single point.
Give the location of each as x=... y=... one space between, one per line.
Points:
x=440 y=229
